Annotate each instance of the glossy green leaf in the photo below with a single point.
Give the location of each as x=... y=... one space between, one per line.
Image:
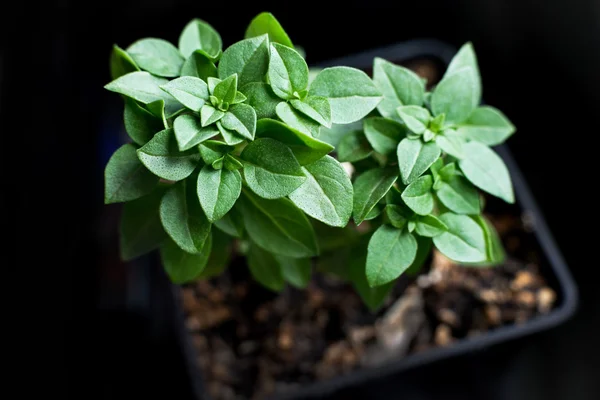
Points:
x=487 y=125
x=383 y=134
x=261 y=98
x=297 y=120
x=240 y=118
x=270 y=168
x=249 y=58
x=430 y=226
x=183 y=218
x=451 y=144
x=399 y=86
x=210 y=115
x=265 y=268
x=455 y=96
x=288 y=72
x=199 y=35
x=121 y=63
x=351 y=93
x=305 y=148
x=369 y=188
x=199 y=65
x=278 y=226
x=391 y=251
x=265 y=23
x=493 y=244
x=189 y=91
x=145 y=88
x=486 y=170
x=156 y=56
x=140 y=124
x=415 y=157
x=226 y=89
x=218 y=190
x=397 y=215
x=125 y=176
x=353 y=147
x=459 y=196
x=296 y=271
x=464 y=240
x=181 y=266
x=232 y=223
x=416 y=118
x=326 y=195
x=316 y=108
x=418 y=195
x=162 y=156
x=465 y=57
x=190 y=133
x=140 y=230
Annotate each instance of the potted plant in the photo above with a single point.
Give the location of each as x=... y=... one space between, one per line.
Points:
x=246 y=166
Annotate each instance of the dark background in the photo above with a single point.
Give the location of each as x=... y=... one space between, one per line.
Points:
x=540 y=62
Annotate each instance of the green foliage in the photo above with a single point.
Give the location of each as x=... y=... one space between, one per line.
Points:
x=248 y=144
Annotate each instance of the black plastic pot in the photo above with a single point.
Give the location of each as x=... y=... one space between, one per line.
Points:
x=552 y=265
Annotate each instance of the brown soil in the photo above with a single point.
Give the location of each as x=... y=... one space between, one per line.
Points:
x=251 y=342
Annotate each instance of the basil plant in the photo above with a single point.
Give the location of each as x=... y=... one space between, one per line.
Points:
x=232 y=151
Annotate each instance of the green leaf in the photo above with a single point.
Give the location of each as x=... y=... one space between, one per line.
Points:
x=189 y=132
x=278 y=226
x=437 y=123
x=232 y=138
x=220 y=255
x=459 y=196
x=334 y=135
x=332 y=238
x=181 y=266
x=296 y=271
x=315 y=107
x=493 y=245
x=423 y=252
x=121 y=63
x=199 y=35
x=487 y=125
x=162 y=156
x=232 y=163
x=218 y=163
x=239 y=98
x=145 y=88
x=399 y=86
x=240 y=118
x=391 y=251
x=416 y=118
x=189 y=91
x=448 y=171
x=211 y=150
x=374 y=213
x=265 y=268
x=430 y=226
x=232 y=223
x=261 y=98
x=183 y=218
x=465 y=57
x=199 y=65
x=249 y=58
x=156 y=56
x=450 y=144
x=486 y=170
x=326 y=195
x=296 y=120
x=353 y=147
x=288 y=72
x=270 y=168
x=383 y=134
x=125 y=176
x=463 y=241
x=265 y=23
x=396 y=215
x=140 y=229
x=218 y=190
x=455 y=96
x=351 y=93
x=210 y=115
x=415 y=157
x=369 y=188
x=418 y=195
x=305 y=148
x=140 y=124
x=226 y=89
